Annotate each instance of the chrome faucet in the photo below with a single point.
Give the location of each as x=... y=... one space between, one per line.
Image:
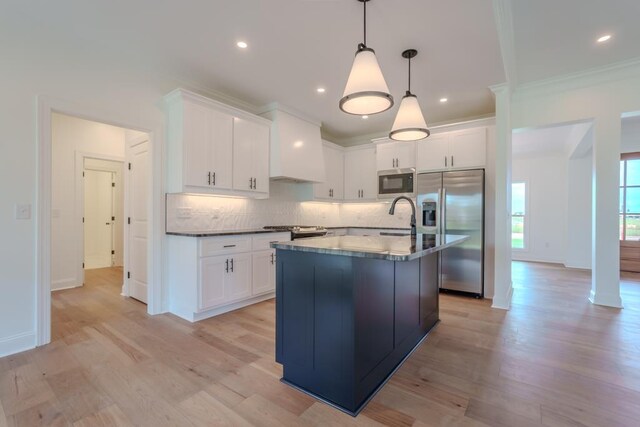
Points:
x=413 y=212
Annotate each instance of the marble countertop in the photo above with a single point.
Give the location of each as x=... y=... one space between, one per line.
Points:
x=222 y=232
x=390 y=248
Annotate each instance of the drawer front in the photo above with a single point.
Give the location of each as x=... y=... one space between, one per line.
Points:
x=263 y=241
x=224 y=245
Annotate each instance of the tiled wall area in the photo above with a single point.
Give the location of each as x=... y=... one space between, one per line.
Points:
x=187 y=212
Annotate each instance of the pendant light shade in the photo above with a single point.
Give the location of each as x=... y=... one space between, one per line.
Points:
x=409 y=124
x=366 y=91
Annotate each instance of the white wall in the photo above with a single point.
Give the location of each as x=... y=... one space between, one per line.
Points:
x=71 y=135
x=82 y=83
x=630 y=135
x=546 y=210
x=579 y=215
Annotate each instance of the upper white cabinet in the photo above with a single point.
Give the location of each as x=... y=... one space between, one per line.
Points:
x=360 y=179
x=215 y=148
x=452 y=150
x=333 y=186
x=250 y=156
x=395 y=155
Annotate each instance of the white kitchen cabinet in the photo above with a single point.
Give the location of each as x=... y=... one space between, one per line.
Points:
x=360 y=183
x=238 y=286
x=333 y=186
x=250 y=156
x=208 y=276
x=264 y=272
x=214 y=148
x=452 y=150
x=395 y=155
x=211 y=285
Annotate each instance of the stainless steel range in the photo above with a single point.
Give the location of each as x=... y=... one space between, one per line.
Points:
x=299 y=231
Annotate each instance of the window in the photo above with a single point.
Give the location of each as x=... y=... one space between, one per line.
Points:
x=630 y=197
x=518 y=215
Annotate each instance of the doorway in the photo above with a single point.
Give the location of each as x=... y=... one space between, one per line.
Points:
x=103 y=214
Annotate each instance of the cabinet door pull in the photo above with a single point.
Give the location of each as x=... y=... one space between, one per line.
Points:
x=226 y=266
x=271 y=259
x=445 y=161
x=255 y=183
x=229 y=246
x=209 y=178
x=251 y=183
x=232 y=265
x=451 y=161
x=214 y=178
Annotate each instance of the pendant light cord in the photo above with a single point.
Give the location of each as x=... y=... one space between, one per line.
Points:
x=409 y=90
x=365 y=24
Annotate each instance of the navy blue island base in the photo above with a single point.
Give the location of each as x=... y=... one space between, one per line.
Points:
x=345 y=324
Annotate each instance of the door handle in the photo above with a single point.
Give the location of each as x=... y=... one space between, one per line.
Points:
x=226 y=266
x=232 y=265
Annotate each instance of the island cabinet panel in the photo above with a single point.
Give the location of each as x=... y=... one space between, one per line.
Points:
x=373 y=293
x=344 y=324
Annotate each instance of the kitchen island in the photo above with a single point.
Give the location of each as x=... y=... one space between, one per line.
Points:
x=351 y=309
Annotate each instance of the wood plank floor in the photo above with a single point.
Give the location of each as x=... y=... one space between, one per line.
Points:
x=553 y=360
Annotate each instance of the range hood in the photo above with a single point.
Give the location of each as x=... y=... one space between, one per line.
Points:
x=296 y=146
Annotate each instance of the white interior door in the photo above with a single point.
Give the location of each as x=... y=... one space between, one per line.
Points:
x=138 y=220
x=98 y=227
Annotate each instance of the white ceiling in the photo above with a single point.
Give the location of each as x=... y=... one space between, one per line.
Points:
x=556 y=37
x=294 y=47
x=552 y=140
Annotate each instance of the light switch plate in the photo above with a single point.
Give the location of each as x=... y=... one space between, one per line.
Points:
x=23 y=211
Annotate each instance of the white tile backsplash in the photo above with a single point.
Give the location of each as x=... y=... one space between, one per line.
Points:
x=187 y=212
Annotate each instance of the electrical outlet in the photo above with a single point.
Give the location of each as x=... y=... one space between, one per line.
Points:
x=184 y=212
x=23 y=211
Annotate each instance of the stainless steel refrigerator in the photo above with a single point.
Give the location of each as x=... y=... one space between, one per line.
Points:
x=453 y=203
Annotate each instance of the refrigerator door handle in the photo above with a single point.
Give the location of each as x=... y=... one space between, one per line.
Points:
x=443 y=211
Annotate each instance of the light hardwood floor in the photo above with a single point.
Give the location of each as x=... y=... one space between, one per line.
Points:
x=554 y=359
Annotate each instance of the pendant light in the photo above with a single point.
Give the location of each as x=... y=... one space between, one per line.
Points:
x=366 y=92
x=409 y=124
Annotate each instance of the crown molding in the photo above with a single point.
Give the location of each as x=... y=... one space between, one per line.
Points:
x=289 y=110
x=591 y=76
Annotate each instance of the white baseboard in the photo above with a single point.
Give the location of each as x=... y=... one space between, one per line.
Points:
x=503 y=302
x=607 y=300
x=195 y=317
x=58 y=285
x=17 y=343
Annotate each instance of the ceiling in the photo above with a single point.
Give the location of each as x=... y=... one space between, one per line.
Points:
x=294 y=47
x=554 y=37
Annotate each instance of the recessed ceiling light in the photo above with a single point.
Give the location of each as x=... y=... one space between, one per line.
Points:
x=604 y=38
x=443 y=100
x=321 y=90
x=365 y=117
x=242 y=45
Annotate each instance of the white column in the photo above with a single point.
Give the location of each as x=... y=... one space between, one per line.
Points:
x=502 y=263
x=605 y=280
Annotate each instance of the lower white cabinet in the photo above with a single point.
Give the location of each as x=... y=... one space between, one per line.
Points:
x=213 y=275
x=264 y=272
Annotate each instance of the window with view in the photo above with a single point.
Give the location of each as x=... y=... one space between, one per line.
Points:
x=518 y=215
x=630 y=197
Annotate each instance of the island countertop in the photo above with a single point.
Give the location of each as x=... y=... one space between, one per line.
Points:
x=390 y=248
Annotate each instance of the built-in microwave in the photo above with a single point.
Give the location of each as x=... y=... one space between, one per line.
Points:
x=397 y=182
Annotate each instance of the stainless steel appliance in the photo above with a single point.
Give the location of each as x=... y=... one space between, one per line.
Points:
x=453 y=203
x=299 y=231
x=397 y=182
